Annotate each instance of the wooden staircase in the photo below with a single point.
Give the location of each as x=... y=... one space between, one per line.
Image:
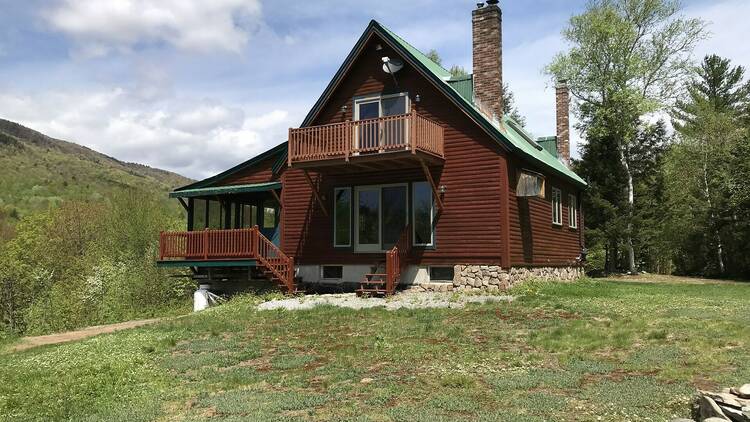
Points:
x=380 y=283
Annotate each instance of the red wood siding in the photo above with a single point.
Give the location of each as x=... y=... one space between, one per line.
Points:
x=534 y=240
x=480 y=207
x=259 y=173
x=468 y=230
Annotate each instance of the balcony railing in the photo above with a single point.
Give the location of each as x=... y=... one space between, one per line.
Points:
x=232 y=244
x=405 y=132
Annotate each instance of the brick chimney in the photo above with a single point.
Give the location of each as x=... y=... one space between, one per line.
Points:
x=487 y=49
x=562 y=105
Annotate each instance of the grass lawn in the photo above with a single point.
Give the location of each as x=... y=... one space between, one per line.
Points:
x=616 y=349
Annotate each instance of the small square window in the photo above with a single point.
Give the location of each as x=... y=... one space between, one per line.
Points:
x=441 y=273
x=333 y=272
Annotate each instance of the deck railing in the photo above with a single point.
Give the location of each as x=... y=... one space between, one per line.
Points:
x=405 y=132
x=396 y=260
x=227 y=245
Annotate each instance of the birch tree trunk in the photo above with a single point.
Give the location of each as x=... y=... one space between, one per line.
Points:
x=711 y=214
x=631 y=201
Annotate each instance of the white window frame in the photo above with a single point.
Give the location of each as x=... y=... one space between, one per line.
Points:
x=355 y=204
x=430 y=267
x=572 y=211
x=413 y=216
x=322 y=277
x=351 y=204
x=556 y=206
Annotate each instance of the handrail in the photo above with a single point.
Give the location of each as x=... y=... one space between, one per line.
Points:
x=228 y=244
x=404 y=132
x=396 y=260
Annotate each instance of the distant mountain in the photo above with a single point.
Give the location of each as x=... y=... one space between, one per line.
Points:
x=37 y=171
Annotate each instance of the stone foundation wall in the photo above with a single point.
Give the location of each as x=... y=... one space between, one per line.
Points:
x=493 y=277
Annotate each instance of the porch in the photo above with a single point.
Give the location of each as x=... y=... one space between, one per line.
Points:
x=233 y=247
x=372 y=144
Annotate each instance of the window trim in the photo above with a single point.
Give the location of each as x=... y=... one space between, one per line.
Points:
x=355 y=205
x=413 y=216
x=351 y=220
x=322 y=273
x=379 y=97
x=572 y=211
x=429 y=272
x=556 y=202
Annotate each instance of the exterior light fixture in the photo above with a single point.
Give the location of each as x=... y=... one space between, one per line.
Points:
x=442 y=189
x=417 y=98
x=378 y=47
x=343 y=108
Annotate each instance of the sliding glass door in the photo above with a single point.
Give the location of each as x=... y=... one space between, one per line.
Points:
x=367 y=218
x=380 y=216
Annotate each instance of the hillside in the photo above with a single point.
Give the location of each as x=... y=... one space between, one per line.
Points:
x=583 y=351
x=37 y=171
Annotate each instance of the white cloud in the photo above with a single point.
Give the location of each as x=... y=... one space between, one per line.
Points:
x=195 y=25
x=191 y=137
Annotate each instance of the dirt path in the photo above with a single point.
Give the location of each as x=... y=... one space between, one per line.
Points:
x=29 y=342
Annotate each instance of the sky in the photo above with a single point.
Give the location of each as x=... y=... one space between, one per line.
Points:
x=197 y=86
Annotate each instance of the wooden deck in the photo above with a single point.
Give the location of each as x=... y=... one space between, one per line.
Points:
x=240 y=245
x=365 y=142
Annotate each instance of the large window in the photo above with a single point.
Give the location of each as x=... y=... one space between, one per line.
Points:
x=342 y=217
x=556 y=206
x=380 y=215
x=422 y=214
x=572 y=211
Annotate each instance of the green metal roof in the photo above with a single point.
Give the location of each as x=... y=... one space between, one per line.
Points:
x=211 y=181
x=549 y=143
x=464 y=86
x=225 y=190
x=433 y=67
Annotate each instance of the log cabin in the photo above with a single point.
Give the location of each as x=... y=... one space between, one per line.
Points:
x=401 y=175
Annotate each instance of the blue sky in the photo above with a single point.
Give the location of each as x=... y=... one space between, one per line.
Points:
x=197 y=86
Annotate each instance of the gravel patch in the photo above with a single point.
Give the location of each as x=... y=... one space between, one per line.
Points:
x=401 y=300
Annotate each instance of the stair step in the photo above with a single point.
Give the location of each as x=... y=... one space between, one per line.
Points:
x=372 y=282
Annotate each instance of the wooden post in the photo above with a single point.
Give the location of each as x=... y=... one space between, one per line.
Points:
x=413 y=129
x=290 y=148
x=435 y=192
x=205 y=244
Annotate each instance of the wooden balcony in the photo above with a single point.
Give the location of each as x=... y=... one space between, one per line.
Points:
x=391 y=140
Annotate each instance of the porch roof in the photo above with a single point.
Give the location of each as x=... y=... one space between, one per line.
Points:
x=225 y=190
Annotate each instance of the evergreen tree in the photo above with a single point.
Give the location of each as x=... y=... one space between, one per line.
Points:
x=708 y=167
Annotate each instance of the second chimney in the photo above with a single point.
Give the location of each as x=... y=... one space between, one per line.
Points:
x=487 y=51
x=562 y=106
